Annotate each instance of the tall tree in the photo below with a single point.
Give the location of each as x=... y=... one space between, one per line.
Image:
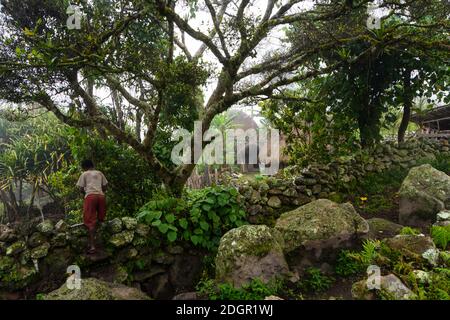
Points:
x=123 y=44
x=381 y=68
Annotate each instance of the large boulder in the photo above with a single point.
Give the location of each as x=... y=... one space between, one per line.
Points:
x=424 y=193
x=315 y=232
x=249 y=252
x=94 y=289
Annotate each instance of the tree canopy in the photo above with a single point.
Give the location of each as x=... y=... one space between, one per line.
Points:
x=140 y=53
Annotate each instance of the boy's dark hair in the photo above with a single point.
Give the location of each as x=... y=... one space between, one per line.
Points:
x=87 y=164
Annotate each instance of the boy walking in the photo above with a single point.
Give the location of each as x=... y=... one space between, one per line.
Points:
x=92 y=183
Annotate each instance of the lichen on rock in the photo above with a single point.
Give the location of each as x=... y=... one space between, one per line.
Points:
x=46 y=227
x=248 y=252
x=423 y=194
x=40 y=252
x=129 y=223
x=414 y=247
x=94 y=289
x=320 y=221
x=122 y=238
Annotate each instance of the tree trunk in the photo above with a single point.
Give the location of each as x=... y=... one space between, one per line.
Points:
x=118 y=109
x=9 y=201
x=138 y=124
x=407 y=105
x=30 y=206
x=367 y=129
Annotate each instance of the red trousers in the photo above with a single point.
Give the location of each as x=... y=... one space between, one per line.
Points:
x=94 y=208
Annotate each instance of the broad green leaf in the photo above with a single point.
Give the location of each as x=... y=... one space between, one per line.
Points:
x=163 y=228
x=172 y=236
x=156 y=223
x=204 y=225
x=183 y=223
x=170 y=218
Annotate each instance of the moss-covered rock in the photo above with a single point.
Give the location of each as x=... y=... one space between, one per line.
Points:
x=390 y=287
x=320 y=222
x=115 y=225
x=93 y=289
x=16 y=248
x=121 y=239
x=59 y=240
x=6 y=264
x=274 y=202
x=78 y=231
x=40 y=252
x=142 y=230
x=18 y=276
x=248 y=252
x=129 y=223
x=414 y=247
x=36 y=239
x=382 y=228
x=45 y=227
x=424 y=193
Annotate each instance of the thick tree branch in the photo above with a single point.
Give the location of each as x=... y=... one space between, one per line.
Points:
x=216 y=23
x=183 y=25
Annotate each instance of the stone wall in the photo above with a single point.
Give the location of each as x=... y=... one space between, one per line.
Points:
x=34 y=258
x=264 y=199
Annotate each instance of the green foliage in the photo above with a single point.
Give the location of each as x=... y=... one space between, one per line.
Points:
x=435 y=287
x=40 y=296
x=213 y=211
x=346 y=265
x=368 y=254
x=164 y=214
x=315 y=281
x=441 y=236
x=377 y=203
x=201 y=216
x=377 y=183
x=131 y=181
x=442 y=163
x=410 y=231
x=312 y=133
x=255 y=290
x=62 y=184
x=32 y=149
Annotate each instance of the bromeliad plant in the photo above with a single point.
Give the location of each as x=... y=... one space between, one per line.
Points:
x=200 y=216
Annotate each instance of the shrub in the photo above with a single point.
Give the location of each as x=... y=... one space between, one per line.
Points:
x=315 y=281
x=378 y=183
x=442 y=163
x=347 y=265
x=201 y=216
x=131 y=181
